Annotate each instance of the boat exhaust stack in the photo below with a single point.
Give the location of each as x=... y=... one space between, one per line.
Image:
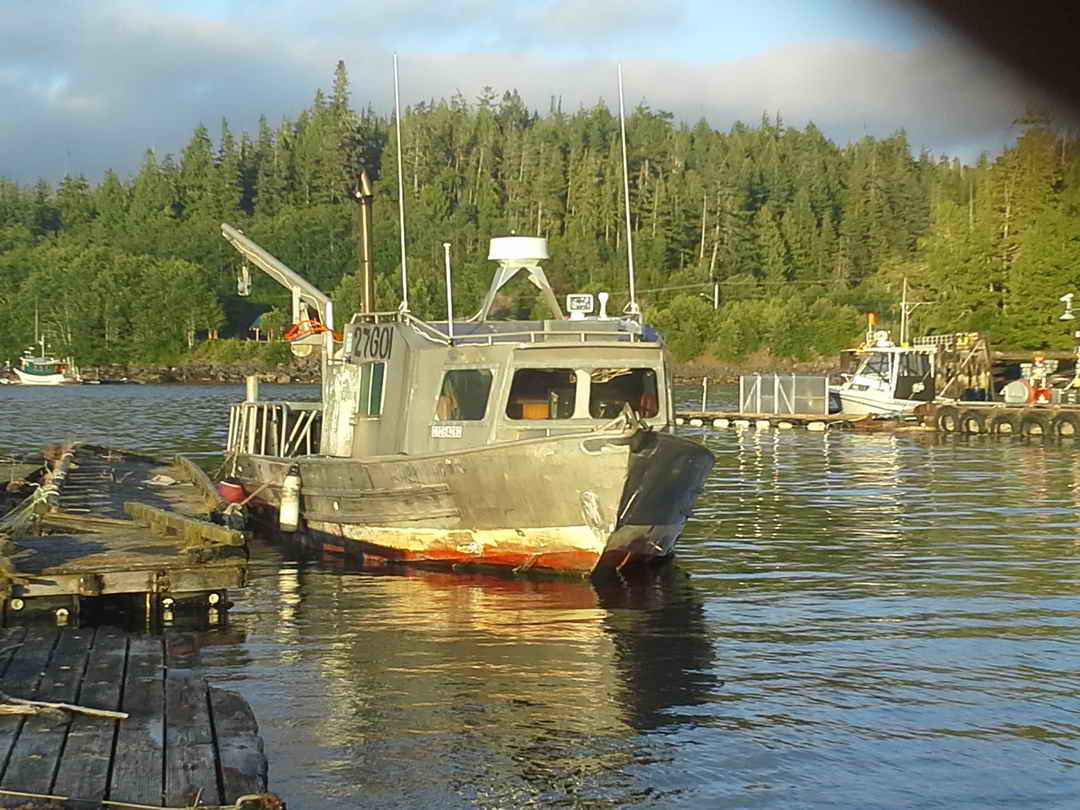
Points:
x=362 y=194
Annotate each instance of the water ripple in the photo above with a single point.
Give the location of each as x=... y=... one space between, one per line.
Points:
x=853 y=621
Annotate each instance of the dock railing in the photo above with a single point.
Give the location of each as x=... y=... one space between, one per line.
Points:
x=787 y=394
x=275 y=428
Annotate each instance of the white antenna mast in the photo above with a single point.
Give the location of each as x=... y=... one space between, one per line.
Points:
x=632 y=307
x=905 y=314
x=401 y=192
x=449 y=295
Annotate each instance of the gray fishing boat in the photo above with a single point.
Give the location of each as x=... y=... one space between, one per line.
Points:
x=543 y=444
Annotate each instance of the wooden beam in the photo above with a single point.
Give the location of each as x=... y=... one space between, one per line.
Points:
x=193 y=531
x=84 y=768
x=197 y=476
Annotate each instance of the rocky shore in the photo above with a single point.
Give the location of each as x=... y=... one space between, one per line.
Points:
x=298 y=371
x=306 y=371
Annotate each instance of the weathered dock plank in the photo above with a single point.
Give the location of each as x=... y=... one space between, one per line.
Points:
x=11 y=641
x=243 y=762
x=140 y=740
x=182 y=743
x=35 y=757
x=21 y=679
x=84 y=767
x=190 y=772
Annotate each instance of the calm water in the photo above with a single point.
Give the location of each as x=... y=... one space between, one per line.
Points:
x=853 y=621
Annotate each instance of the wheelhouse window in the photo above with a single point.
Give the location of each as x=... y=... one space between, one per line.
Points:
x=613 y=388
x=875 y=366
x=542 y=393
x=369 y=399
x=464 y=395
x=914 y=365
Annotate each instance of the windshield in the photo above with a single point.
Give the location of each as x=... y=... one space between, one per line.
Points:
x=875 y=366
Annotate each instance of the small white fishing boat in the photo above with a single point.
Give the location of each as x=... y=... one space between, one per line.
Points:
x=890 y=380
x=43 y=369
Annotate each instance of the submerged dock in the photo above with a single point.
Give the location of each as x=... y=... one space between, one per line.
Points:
x=104 y=523
x=95 y=718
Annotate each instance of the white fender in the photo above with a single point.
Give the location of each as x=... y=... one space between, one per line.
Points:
x=289 y=510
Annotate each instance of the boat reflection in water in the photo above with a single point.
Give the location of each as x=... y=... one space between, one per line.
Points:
x=502 y=690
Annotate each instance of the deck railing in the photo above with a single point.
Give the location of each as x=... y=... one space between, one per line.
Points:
x=585 y=331
x=275 y=428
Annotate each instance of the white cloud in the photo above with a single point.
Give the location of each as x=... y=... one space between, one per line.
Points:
x=92 y=85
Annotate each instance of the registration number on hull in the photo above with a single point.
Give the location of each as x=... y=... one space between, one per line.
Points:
x=446 y=431
x=373 y=342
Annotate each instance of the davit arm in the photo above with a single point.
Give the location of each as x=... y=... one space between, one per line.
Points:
x=303 y=292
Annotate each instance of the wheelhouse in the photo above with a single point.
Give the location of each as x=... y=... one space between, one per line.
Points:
x=402 y=392
x=899 y=372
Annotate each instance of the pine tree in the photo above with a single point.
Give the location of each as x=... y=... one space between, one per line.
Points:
x=775 y=270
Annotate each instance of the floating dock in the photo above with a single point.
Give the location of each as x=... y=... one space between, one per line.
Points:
x=988 y=418
x=95 y=718
x=767 y=421
x=104 y=523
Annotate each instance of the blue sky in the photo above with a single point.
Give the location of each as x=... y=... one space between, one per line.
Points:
x=87 y=85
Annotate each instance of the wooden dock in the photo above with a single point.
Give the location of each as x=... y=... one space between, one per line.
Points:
x=179 y=744
x=105 y=523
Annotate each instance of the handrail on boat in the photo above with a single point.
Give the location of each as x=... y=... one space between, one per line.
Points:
x=284 y=428
x=431 y=332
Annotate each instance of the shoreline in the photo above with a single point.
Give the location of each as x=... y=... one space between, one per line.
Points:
x=272 y=363
x=306 y=372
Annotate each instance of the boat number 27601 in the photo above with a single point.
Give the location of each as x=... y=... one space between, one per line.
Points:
x=374 y=342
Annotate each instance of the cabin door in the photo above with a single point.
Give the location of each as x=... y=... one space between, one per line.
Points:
x=463 y=410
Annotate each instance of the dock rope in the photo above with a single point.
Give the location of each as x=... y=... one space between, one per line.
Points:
x=45 y=496
x=23 y=514
x=249 y=801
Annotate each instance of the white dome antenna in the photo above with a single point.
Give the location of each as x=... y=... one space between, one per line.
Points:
x=514 y=254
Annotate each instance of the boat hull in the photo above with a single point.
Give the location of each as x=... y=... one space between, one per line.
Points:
x=864 y=403
x=572 y=503
x=41 y=379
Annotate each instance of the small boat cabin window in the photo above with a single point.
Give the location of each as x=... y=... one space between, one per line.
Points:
x=464 y=395
x=369 y=400
x=914 y=365
x=875 y=366
x=542 y=393
x=612 y=388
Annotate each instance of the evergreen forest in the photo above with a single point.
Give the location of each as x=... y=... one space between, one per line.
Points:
x=761 y=241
